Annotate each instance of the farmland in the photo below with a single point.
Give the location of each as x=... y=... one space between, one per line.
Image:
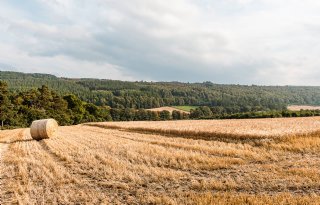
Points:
x=170 y=109
x=303 y=107
x=185 y=108
x=265 y=161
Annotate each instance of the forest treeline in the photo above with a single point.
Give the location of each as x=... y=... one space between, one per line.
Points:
x=19 y=109
x=205 y=112
x=137 y=95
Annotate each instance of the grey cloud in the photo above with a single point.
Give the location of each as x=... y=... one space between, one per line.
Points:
x=234 y=41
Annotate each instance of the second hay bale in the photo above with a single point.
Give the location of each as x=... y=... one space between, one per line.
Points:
x=43 y=129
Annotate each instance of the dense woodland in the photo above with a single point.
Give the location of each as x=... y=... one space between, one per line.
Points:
x=123 y=94
x=19 y=109
x=27 y=97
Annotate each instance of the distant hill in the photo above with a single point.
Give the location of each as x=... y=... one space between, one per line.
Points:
x=125 y=94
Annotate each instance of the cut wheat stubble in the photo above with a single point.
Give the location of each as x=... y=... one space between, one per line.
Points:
x=100 y=166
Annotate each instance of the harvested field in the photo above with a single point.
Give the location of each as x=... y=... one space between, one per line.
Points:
x=303 y=107
x=2 y=150
x=186 y=108
x=226 y=130
x=170 y=109
x=115 y=165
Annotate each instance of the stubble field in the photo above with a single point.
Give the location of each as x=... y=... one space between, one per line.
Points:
x=268 y=161
x=302 y=107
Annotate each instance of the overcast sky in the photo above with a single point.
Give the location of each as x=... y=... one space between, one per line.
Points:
x=270 y=42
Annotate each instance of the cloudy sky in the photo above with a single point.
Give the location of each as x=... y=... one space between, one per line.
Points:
x=270 y=42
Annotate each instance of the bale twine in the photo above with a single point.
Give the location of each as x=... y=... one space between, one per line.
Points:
x=43 y=129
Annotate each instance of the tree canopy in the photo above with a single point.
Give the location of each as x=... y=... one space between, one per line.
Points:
x=136 y=95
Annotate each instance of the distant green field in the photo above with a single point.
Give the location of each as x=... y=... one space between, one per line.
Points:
x=185 y=108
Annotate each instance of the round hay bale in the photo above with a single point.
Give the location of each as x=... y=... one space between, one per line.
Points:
x=43 y=129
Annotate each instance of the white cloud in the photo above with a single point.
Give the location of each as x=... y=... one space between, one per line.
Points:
x=58 y=65
x=230 y=41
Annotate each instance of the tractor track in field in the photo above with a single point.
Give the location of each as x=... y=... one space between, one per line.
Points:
x=62 y=163
x=86 y=178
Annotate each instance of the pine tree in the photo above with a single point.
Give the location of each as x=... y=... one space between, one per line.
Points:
x=5 y=104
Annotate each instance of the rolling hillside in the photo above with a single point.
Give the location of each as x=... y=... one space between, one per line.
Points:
x=123 y=94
